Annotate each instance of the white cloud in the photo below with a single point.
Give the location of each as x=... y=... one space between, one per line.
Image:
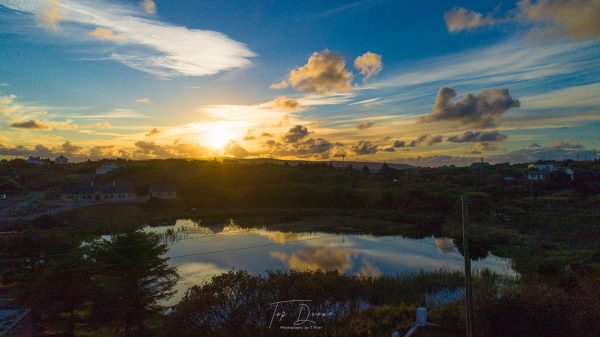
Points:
x=144 y=100
x=145 y=44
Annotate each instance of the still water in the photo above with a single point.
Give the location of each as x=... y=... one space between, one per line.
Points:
x=200 y=252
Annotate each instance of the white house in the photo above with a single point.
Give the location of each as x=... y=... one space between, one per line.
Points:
x=539 y=171
x=61 y=160
x=106 y=168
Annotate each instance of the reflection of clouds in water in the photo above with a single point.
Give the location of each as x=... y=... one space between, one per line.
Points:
x=313 y=258
x=280 y=237
x=197 y=272
x=368 y=270
x=444 y=245
x=193 y=273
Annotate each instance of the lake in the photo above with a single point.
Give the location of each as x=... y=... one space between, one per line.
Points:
x=200 y=252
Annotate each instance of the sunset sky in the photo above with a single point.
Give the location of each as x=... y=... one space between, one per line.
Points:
x=426 y=82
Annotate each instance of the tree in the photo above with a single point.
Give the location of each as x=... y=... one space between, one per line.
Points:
x=133 y=278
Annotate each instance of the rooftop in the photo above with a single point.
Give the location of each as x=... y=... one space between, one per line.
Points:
x=101 y=187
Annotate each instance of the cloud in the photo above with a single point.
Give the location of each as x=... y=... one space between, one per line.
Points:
x=149 y=6
x=369 y=64
x=115 y=114
x=105 y=34
x=564 y=144
x=364 y=147
x=144 y=100
x=286 y=104
x=295 y=134
x=33 y=124
x=316 y=148
x=249 y=135
x=280 y=85
x=364 y=125
x=482 y=147
x=427 y=139
x=145 y=44
x=153 y=132
x=103 y=125
x=399 y=144
x=149 y=150
x=50 y=15
x=325 y=72
x=480 y=136
x=572 y=18
x=234 y=149
x=577 y=19
x=459 y=19
x=480 y=110
x=69 y=148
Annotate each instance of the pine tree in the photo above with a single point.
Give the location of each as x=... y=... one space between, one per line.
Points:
x=132 y=280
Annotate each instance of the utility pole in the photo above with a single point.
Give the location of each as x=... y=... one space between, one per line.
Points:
x=468 y=287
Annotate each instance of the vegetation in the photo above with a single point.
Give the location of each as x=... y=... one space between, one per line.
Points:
x=549 y=228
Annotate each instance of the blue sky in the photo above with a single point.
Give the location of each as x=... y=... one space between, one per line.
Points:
x=155 y=79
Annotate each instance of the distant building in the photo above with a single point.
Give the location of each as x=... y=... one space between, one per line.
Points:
x=36 y=161
x=106 y=168
x=163 y=191
x=537 y=174
x=15 y=323
x=61 y=160
x=542 y=171
x=96 y=192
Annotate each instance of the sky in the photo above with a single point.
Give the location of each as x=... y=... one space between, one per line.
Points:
x=421 y=82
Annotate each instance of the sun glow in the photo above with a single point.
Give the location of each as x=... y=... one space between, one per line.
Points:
x=217 y=139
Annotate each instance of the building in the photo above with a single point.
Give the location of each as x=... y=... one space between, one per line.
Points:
x=106 y=168
x=36 y=161
x=15 y=323
x=539 y=171
x=97 y=192
x=163 y=191
x=61 y=160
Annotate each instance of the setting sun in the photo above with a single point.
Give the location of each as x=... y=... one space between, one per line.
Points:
x=217 y=138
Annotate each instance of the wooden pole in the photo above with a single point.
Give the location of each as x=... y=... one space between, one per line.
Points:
x=468 y=288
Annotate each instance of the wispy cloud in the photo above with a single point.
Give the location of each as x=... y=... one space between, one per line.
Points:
x=144 y=43
x=514 y=60
x=115 y=114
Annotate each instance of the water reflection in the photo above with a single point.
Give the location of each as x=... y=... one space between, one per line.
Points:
x=314 y=258
x=199 y=252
